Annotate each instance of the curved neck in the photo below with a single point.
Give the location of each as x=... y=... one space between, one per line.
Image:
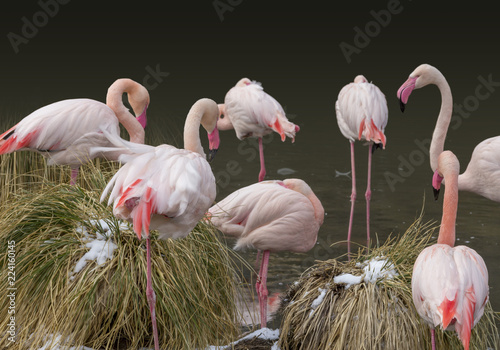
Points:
x=450 y=205
x=443 y=121
x=114 y=101
x=204 y=112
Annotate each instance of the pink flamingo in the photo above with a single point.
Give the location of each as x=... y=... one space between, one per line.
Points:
x=166 y=188
x=270 y=216
x=253 y=113
x=449 y=284
x=482 y=173
x=362 y=114
x=64 y=131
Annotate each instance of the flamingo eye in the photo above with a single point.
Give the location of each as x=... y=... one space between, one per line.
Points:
x=221 y=116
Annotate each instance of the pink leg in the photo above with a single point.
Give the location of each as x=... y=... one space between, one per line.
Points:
x=257 y=264
x=262 y=288
x=368 y=196
x=433 y=339
x=262 y=173
x=74 y=175
x=353 y=199
x=150 y=293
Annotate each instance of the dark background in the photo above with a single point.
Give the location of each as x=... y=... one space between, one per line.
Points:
x=292 y=48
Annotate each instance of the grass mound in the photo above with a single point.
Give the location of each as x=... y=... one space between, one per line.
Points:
x=104 y=304
x=368 y=315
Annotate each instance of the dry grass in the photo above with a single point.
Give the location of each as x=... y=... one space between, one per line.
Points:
x=105 y=306
x=370 y=315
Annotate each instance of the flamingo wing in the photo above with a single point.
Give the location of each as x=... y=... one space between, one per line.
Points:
x=56 y=127
x=253 y=112
x=168 y=189
x=450 y=288
x=267 y=216
x=362 y=113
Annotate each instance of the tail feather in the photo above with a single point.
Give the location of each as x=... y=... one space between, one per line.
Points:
x=12 y=144
x=448 y=309
x=284 y=127
x=371 y=132
x=464 y=327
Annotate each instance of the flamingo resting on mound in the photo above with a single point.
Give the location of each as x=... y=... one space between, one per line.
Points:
x=482 y=175
x=253 y=113
x=449 y=284
x=362 y=114
x=270 y=216
x=165 y=188
x=65 y=131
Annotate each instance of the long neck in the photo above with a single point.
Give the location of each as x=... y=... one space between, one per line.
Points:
x=200 y=110
x=450 y=205
x=114 y=101
x=443 y=121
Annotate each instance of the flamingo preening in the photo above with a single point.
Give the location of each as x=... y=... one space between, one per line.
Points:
x=362 y=114
x=65 y=131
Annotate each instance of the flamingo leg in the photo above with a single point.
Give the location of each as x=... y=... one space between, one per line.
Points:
x=368 y=195
x=433 y=339
x=353 y=199
x=257 y=262
x=262 y=288
x=150 y=293
x=262 y=173
x=74 y=175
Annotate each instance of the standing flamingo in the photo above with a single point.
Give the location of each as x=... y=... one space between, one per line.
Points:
x=362 y=114
x=482 y=175
x=166 y=188
x=64 y=131
x=253 y=113
x=449 y=284
x=270 y=216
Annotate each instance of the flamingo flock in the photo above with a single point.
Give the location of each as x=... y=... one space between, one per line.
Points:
x=170 y=189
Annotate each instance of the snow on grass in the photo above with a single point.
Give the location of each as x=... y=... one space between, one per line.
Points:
x=101 y=247
x=374 y=269
x=263 y=333
x=316 y=302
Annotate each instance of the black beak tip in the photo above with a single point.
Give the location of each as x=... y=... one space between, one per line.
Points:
x=402 y=105
x=436 y=194
x=375 y=146
x=211 y=154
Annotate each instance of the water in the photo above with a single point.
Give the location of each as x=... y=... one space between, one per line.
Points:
x=321 y=157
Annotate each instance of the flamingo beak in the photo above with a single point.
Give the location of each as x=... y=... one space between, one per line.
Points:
x=436 y=184
x=404 y=92
x=142 y=119
x=213 y=144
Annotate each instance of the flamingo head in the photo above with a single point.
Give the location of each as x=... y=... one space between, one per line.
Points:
x=360 y=79
x=423 y=75
x=139 y=101
x=243 y=82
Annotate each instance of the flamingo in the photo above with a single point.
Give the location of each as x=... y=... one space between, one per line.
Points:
x=482 y=175
x=166 y=188
x=270 y=216
x=362 y=114
x=253 y=113
x=449 y=284
x=64 y=131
